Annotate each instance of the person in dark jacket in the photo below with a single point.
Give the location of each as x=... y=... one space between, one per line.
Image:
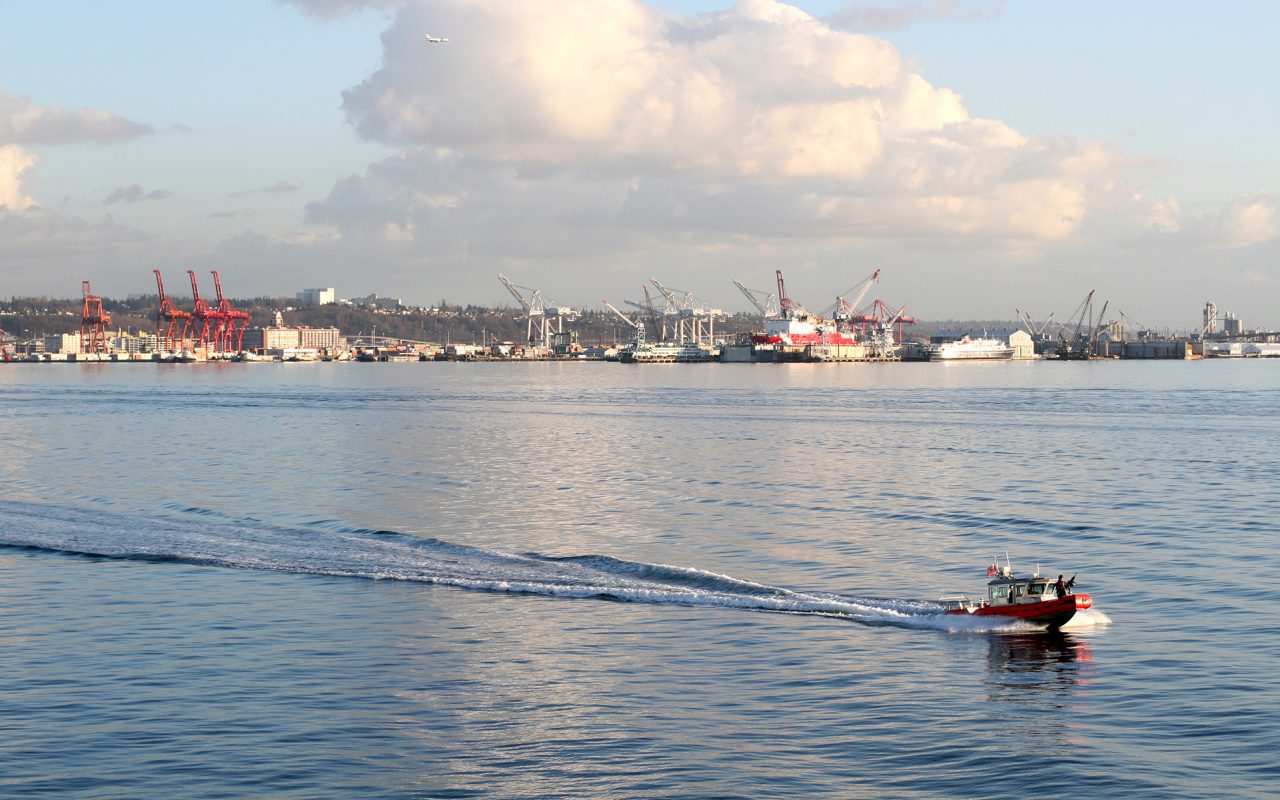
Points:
x=1060 y=588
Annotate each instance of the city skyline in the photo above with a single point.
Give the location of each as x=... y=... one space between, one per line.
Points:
x=988 y=156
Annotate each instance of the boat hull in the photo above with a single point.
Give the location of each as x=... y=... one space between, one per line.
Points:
x=1050 y=613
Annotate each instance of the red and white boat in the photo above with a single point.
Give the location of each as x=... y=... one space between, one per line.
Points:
x=1038 y=600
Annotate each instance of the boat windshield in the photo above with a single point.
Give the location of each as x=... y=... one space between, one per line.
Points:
x=1036 y=588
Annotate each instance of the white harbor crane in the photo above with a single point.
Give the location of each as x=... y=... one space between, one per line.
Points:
x=765 y=302
x=693 y=321
x=637 y=339
x=1037 y=331
x=881 y=341
x=844 y=310
x=539 y=312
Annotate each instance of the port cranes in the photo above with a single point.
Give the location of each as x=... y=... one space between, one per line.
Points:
x=229 y=336
x=637 y=340
x=651 y=311
x=765 y=302
x=881 y=340
x=93 y=322
x=691 y=320
x=845 y=312
x=171 y=337
x=1084 y=337
x=882 y=314
x=206 y=321
x=538 y=311
x=790 y=308
x=1038 y=332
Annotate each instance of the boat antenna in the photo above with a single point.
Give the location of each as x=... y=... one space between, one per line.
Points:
x=1008 y=567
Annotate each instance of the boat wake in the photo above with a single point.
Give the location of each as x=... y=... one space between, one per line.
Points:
x=212 y=540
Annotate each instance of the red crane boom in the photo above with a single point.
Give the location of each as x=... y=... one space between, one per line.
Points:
x=790 y=308
x=230 y=333
x=171 y=314
x=205 y=321
x=883 y=313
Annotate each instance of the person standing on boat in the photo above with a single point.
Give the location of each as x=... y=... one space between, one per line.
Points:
x=1060 y=588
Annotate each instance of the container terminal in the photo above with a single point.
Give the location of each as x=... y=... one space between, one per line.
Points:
x=668 y=325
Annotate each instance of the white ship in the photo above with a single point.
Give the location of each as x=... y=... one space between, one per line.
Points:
x=665 y=353
x=969 y=348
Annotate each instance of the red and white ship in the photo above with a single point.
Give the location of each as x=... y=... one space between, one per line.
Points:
x=800 y=331
x=1038 y=600
x=796 y=327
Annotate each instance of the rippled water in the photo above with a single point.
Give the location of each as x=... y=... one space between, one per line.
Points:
x=545 y=580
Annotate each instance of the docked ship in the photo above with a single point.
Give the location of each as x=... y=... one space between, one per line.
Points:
x=802 y=331
x=792 y=326
x=967 y=347
x=665 y=353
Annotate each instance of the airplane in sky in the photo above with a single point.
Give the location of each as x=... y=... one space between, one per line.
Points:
x=435 y=39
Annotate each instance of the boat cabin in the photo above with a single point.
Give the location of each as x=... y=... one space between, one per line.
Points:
x=1006 y=590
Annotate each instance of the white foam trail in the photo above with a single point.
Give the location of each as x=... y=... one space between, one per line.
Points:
x=393 y=556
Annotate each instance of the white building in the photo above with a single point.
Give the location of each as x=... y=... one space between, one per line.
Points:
x=1022 y=344
x=316 y=297
x=142 y=343
x=62 y=343
x=279 y=337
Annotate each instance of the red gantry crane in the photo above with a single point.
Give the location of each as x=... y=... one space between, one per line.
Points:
x=205 y=321
x=845 y=312
x=790 y=308
x=229 y=335
x=93 y=323
x=170 y=338
x=884 y=315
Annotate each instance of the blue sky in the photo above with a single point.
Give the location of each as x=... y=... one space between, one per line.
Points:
x=1051 y=148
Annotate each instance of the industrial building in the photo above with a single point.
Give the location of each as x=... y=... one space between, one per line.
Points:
x=279 y=337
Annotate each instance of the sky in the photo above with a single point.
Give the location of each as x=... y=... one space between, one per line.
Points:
x=987 y=156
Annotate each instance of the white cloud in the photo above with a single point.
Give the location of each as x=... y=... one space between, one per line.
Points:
x=756 y=121
x=14 y=162
x=1247 y=221
x=37 y=237
x=23 y=123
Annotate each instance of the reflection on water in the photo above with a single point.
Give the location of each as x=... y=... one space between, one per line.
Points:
x=1025 y=664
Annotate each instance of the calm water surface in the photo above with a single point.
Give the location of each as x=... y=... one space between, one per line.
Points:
x=590 y=580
